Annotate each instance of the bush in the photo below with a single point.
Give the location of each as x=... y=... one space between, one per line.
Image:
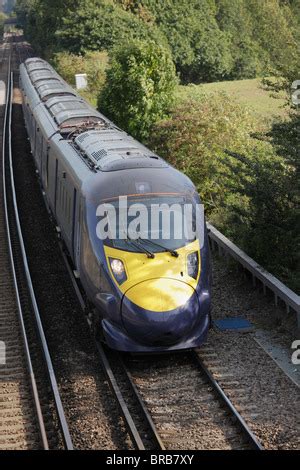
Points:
x=259 y=212
x=247 y=188
x=139 y=88
x=195 y=137
x=94 y=64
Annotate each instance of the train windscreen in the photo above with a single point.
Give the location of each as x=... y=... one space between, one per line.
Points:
x=154 y=223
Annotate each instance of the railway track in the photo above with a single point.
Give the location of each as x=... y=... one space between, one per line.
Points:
x=177 y=397
x=23 y=50
x=31 y=412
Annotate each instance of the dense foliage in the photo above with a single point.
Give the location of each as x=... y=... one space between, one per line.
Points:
x=139 y=87
x=101 y=25
x=94 y=64
x=209 y=39
x=200 y=49
x=248 y=189
x=2 y=20
x=195 y=137
x=41 y=19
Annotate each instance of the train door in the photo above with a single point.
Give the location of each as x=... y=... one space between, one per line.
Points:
x=39 y=148
x=78 y=234
x=45 y=165
x=74 y=225
x=31 y=127
x=51 y=179
x=32 y=131
x=55 y=186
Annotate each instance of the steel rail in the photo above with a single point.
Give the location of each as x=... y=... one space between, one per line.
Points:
x=129 y=422
x=6 y=127
x=131 y=427
x=135 y=435
x=54 y=387
x=146 y=413
x=245 y=428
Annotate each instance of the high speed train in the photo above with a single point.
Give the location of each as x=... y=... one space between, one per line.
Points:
x=148 y=294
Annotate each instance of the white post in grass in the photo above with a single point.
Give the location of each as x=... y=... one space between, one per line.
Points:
x=81 y=81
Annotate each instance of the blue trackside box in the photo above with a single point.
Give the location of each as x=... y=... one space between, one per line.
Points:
x=237 y=324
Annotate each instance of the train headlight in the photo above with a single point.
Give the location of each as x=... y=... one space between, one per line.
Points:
x=118 y=268
x=193 y=264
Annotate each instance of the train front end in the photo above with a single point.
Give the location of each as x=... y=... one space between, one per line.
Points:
x=150 y=260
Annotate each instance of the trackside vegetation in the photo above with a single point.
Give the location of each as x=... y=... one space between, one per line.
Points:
x=2 y=20
x=140 y=86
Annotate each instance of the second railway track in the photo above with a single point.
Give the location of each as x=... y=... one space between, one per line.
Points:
x=31 y=413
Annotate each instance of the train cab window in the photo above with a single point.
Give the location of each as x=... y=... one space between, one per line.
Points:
x=156 y=233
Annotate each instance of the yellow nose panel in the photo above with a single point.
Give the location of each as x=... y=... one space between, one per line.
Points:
x=160 y=295
x=159 y=284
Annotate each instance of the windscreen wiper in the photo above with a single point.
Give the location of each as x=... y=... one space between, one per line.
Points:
x=173 y=252
x=139 y=246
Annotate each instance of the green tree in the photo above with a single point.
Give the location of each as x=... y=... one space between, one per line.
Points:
x=275 y=32
x=23 y=9
x=209 y=39
x=2 y=20
x=101 y=25
x=249 y=187
x=41 y=19
x=139 y=87
x=261 y=211
x=195 y=136
x=235 y=19
x=200 y=49
x=93 y=63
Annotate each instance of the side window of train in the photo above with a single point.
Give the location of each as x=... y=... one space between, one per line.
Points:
x=74 y=213
x=29 y=119
x=90 y=263
x=33 y=134
x=51 y=179
x=65 y=202
x=43 y=149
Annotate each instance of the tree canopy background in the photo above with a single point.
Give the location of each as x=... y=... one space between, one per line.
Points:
x=209 y=39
